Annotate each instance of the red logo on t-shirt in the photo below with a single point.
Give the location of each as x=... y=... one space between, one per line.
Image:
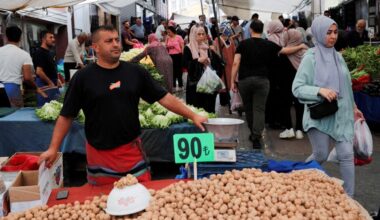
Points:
x=115 y=85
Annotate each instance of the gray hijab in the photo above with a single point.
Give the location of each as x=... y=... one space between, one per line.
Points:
x=328 y=69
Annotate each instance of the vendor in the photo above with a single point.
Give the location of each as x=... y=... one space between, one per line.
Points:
x=109 y=91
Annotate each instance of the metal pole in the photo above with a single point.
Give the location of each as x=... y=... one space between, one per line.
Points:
x=202 y=7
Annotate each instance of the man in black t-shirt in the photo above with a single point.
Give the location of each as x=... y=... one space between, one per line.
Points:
x=109 y=92
x=46 y=70
x=252 y=59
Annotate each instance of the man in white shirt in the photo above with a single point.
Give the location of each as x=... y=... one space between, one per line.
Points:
x=160 y=31
x=73 y=55
x=15 y=66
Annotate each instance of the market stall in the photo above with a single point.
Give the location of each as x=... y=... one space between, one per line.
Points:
x=24 y=131
x=364 y=64
x=247 y=194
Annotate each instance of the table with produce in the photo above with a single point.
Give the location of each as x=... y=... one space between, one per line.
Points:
x=364 y=64
x=28 y=125
x=246 y=194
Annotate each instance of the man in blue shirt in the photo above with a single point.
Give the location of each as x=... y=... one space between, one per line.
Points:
x=139 y=30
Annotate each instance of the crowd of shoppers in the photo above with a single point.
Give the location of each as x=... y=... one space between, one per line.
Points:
x=273 y=71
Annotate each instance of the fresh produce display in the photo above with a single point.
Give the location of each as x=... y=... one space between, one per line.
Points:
x=127 y=56
x=364 y=58
x=154 y=73
x=246 y=194
x=50 y=112
x=372 y=88
x=146 y=62
x=156 y=116
x=150 y=115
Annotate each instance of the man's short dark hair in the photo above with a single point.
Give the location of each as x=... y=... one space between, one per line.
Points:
x=44 y=33
x=235 y=18
x=257 y=26
x=95 y=34
x=125 y=21
x=255 y=16
x=13 y=33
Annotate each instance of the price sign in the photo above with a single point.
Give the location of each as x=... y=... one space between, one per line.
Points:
x=191 y=147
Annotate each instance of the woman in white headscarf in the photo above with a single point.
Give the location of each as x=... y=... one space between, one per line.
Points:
x=323 y=76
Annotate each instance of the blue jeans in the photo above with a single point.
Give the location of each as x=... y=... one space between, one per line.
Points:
x=14 y=94
x=345 y=152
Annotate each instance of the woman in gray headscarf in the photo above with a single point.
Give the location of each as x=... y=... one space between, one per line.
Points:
x=323 y=75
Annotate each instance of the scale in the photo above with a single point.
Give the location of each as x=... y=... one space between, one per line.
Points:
x=226 y=137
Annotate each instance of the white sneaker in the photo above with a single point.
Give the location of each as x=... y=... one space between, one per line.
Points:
x=288 y=133
x=299 y=134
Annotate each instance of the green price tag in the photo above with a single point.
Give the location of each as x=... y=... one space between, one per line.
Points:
x=190 y=147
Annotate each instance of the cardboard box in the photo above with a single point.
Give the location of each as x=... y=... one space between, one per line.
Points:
x=30 y=189
x=55 y=171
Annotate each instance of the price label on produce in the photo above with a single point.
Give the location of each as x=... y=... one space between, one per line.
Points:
x=193 y=147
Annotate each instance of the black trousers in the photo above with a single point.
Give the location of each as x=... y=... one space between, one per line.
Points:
x=177 y=69
x=67 y=67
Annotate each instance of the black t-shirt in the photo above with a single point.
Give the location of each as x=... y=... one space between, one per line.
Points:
x=354 y=39
x=109 y=99
x=42 y=58
x=256 y=56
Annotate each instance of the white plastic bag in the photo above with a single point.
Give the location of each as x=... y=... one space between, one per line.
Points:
x=333 y=157
x=236 y=102
x=209 y=82
x=363 y=143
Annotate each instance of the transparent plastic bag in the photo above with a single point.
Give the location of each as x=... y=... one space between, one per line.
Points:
x=236 y=102
x=209 y=82
x=363 y=143
x=333 y=157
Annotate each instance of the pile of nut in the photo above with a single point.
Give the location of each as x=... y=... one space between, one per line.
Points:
x=247 y=194
x=125 y=181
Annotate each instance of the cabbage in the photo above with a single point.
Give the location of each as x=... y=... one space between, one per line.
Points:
x=173 y=117
x=49 y=111
x=160 y=121
x=158 y=109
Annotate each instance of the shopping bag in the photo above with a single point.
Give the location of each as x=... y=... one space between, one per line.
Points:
x=333 y=157
x=363 y=143
x=209 y=82
x=236 y=102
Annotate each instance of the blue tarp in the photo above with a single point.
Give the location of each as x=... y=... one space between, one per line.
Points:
x=287 y=166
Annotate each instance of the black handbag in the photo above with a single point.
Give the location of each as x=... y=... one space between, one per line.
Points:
x=322 y=109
